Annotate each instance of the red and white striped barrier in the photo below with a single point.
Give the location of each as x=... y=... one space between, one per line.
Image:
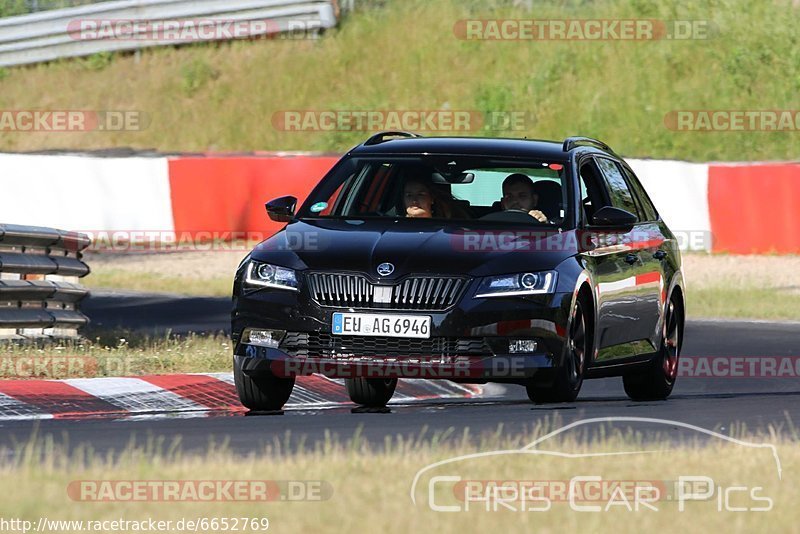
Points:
x=180 y=393
x=738 y=208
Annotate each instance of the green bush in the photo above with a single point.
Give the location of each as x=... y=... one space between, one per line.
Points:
x=10 y=8
x=195 y=75
x=98 y=61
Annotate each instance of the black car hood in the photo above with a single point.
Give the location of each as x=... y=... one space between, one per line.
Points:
x=414 y=246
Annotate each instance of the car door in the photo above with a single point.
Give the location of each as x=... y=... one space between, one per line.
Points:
x=653 y=242
x=644 y=283
x=608 y=258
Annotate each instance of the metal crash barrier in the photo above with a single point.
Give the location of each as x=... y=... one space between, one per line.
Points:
x=40 y=291
x=134 y=24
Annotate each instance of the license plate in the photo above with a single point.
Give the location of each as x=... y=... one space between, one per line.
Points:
x=378 y=324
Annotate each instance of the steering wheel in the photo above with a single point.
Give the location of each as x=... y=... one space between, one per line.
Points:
x=526 y=212
x=512 y=216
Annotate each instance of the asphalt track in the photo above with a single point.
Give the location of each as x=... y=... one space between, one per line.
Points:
x=711 y=403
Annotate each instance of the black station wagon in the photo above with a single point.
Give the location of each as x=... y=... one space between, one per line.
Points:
x=475 y=260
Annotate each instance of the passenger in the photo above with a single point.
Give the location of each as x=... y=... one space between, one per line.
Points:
x=519 y=195
x=421 y=199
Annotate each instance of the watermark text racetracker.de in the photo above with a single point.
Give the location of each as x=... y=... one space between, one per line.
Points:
x=738 y=120
x=190 y=30
x=552 y=240
x=199 y=490
x=739 y=367
x=581 y=29
x=417 y=120
x=47 y=366
x=147 y=241
x=72 y=121
x=170 y=241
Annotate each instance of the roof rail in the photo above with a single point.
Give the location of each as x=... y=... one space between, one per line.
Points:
x=380 y=137
x=572 y=142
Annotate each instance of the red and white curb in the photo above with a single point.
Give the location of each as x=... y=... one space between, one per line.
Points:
x=183 y=394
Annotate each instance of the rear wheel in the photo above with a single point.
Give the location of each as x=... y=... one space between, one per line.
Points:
x=373 y=392
x=569 y=377
x=656 y=380
x=261 y=393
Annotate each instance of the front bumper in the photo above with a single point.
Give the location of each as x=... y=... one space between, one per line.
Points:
x=515 y=368
x=469 y=341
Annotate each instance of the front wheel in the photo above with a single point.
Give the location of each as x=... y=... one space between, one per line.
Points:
x=372 y=392
x=569 y=377
x=656 y=380
x=261 y=393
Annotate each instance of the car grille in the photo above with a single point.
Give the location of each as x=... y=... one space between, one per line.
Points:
x=413 y=293
x=314 y=344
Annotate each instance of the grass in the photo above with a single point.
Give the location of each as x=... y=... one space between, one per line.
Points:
x=213 y=286
x=403 y=55
x=367 y=484
x=744 y=303
x=10 y=8
x=116 y=353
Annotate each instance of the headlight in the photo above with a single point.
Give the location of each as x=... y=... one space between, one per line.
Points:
x=266 y=275
x=511 y=285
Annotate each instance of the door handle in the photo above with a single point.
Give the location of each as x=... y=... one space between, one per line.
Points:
x=660 y=254
x=630 y=259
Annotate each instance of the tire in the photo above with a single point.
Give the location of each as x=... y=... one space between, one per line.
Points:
x=372 y=392
x=569 y=377
x=262 y=393
x=656 y=380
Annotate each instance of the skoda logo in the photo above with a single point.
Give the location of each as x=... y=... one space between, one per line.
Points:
x=385 y=269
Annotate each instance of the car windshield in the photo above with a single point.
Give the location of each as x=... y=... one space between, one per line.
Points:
x=443 y=187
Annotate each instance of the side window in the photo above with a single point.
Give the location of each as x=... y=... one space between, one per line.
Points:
x=375 y=189
x=592 y=196
x=350 y=197
x=331 y=204
x=644 y=201
x=618 y=191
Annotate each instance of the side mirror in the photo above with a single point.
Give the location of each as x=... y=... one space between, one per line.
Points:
x=610 y=218
x=281 y=209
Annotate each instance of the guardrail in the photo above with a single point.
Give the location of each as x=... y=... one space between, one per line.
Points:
x=51 y=35
x=40 y=292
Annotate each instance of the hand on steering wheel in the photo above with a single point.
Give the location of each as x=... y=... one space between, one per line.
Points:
x=536 y=214
x=539 y=216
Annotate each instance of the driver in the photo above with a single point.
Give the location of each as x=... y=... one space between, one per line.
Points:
x=418 y=199
x=518 y=195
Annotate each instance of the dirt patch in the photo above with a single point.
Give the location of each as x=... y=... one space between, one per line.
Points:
x=704 y=270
